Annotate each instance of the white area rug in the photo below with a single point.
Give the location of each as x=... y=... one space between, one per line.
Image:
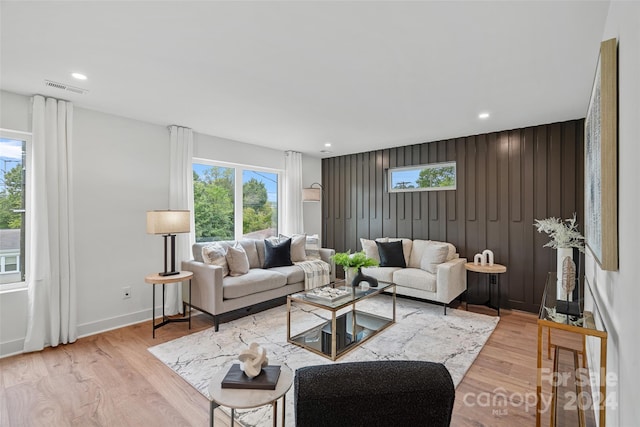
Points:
x=421 y=332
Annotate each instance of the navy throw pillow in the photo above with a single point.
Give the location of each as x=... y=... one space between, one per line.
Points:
x=391 y=254
x=277 y=254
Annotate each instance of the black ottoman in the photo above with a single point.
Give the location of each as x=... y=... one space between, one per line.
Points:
x=380 y=393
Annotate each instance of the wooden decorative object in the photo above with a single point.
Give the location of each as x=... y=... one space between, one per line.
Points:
x=601 y=151
x=568 y=276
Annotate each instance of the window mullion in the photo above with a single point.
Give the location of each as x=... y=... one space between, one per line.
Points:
x=238 y=204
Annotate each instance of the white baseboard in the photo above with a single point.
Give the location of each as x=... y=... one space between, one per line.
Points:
x=11 y=348
x=112 y=323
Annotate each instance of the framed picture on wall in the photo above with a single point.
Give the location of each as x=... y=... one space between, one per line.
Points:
x=601 y=154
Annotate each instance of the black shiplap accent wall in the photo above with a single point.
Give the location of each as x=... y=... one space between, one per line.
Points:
x=505 y=181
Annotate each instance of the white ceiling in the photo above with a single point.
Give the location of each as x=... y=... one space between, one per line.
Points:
x=293 y=75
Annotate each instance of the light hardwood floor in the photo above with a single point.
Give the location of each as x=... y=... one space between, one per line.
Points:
x=111 y=379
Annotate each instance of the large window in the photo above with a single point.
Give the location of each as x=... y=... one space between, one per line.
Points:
x=13 y=151
x=232 y=201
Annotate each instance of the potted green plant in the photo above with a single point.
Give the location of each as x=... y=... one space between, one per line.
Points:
x=353 y=263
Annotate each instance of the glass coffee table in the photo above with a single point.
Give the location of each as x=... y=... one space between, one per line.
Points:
x=337 y=325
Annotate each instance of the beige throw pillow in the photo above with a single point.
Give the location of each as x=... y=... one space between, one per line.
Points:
x=237 y=260
x=370 y=249
x=298 y=242
x=216 y=254
x=432 y=256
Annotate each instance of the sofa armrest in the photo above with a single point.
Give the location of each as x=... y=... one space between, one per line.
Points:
x=451 y=279
x=325 y=255
x=206 y=286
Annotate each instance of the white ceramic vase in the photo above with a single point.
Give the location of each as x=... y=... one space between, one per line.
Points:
x=561 y=255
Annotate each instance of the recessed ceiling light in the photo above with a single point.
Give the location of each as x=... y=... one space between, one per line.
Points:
x=78 y=76
x=327 y=144
x=483 y=115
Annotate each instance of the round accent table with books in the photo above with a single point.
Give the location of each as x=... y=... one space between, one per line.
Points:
x=492 y=271
x=243 y=398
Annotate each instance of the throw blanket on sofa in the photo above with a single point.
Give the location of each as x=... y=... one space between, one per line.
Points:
x=316 y=273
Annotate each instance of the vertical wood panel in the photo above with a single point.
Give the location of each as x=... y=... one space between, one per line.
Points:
x=376 y=174
x=506 y=180
x=461 y=194
x=568 y=196
x=470 y=179
x=528 y=176
x=515 y=171
x=492 y=177
x=451 y=195
x=433 y=196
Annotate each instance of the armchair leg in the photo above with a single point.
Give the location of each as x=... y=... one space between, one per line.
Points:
x=216 y=323
x=445 y=308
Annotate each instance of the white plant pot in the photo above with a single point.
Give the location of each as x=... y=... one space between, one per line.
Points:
x=561 y=255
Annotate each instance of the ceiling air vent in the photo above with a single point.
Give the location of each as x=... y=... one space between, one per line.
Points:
x=63 y=86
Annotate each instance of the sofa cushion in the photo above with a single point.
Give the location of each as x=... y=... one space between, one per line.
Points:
x=293 y=273
x=216 y=254
x=277 y=254
x=434 y=255
x=256 y=280
x=391 y=254
x=237 y=260
x=415 y=278
x=384 y=274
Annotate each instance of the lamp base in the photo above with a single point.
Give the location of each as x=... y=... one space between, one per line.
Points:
x=168 y=273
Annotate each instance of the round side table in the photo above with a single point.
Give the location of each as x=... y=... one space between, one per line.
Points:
x=492 y=271
x=156 y=279
x=243 y=398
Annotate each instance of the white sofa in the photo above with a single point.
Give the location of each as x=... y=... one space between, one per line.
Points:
x=432 y=272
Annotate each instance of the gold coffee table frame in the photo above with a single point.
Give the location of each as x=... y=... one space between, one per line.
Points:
x=357 y=294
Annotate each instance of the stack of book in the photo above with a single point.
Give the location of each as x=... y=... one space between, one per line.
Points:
x=267 y=379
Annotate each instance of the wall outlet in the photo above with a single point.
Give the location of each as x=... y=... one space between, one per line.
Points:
x=126 y=292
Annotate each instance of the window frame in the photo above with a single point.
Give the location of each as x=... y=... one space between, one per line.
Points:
x=26 y=137
x=239 y=168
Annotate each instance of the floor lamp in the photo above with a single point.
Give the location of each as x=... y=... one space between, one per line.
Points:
x=168 y=223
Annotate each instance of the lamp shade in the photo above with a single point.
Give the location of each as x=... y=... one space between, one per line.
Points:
x=168 y=222
x=311 y=194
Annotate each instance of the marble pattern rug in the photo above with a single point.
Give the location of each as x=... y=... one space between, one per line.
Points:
x=421 y=332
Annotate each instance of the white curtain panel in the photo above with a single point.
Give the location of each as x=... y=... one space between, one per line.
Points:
x=50 y=260
x=292 y=216
x=180 y=197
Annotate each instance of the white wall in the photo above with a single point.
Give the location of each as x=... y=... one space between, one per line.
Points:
x=120 y=170
x=617 y=294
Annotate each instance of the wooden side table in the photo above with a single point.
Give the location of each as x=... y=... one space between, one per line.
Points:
x=237 y=398
x=156 y=279
x=492 y=271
